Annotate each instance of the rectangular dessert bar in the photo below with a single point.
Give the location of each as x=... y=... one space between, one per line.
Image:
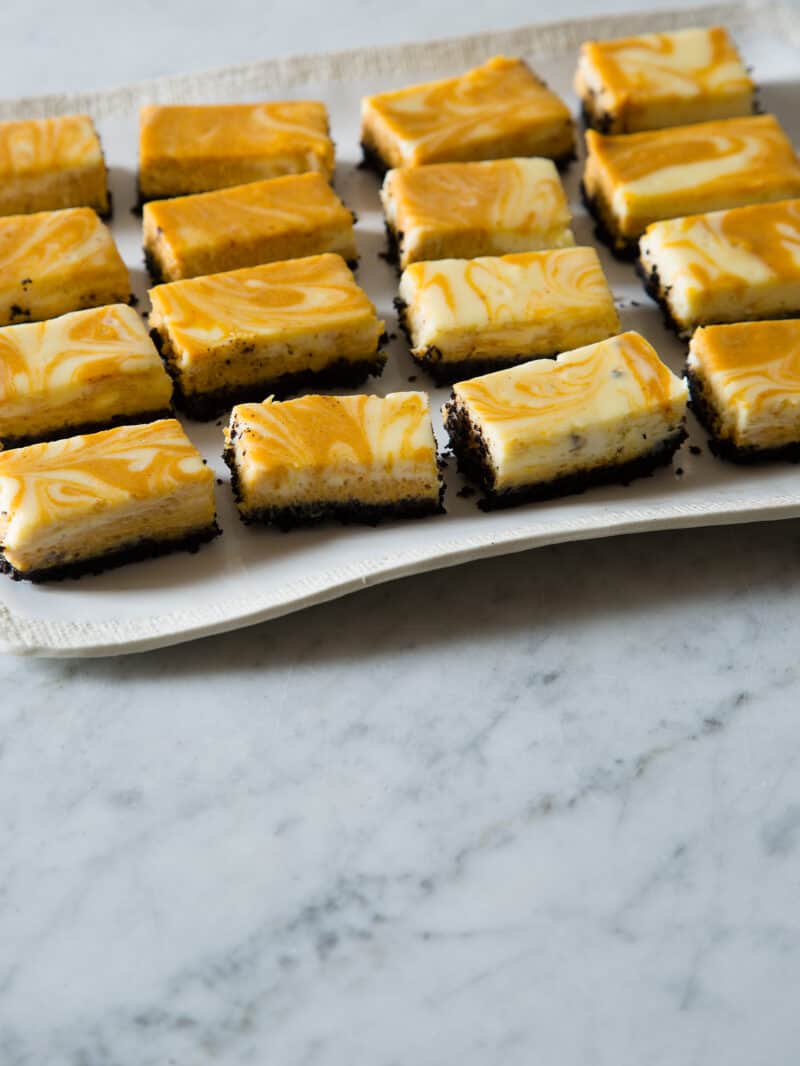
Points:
x=744 y=381
x=497 y=110
x=47 y=164
x=276 y=328
x=726 y=266
x=350 y=458
x=78 y=373
x=466 y=316
x=87 y=503
x=631 y=181
x=58 y=261
x=245 y=225
x=662 y=79
x=195 y=148
x=464 y=210
x=605 y=413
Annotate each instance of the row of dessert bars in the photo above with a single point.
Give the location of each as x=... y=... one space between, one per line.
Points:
x=252 y=253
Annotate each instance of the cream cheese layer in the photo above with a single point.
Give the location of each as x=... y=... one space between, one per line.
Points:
x=588 y=407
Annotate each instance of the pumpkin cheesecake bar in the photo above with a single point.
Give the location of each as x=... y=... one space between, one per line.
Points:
x=87 y=503
x=662 y=79
x=631 y=181
x=744 y=381
x=467 y=316
x=726 y=266
x=276 y=328
x=494 y=111
x=50 y=163
x=53 y=262
x=605 y=413
x=463 y=210
x=81 y=372
x=350 y=458
x=187 y=148
x=244 y=225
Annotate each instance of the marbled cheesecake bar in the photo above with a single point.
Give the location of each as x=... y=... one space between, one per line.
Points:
x=494 y=111
x=467 y=316
x=464 y=210
x=81 y=372
x=53 y=262
x=87 y=503
x=348 y=458
x=47 y=164
x=726 y=266
x=276 y=328
x=604 y=413
x=634 y=180
x=245 y=225
x=656 y=80
x=188 y=148
x=744 y=381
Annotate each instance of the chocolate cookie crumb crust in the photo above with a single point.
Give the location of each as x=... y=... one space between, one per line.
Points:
x=473 y=462
x=83 y=428
x=372 y=160
x=140 y=550
x=622 y=248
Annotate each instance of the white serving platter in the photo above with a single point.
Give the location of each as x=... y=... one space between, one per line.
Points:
x=249 y=575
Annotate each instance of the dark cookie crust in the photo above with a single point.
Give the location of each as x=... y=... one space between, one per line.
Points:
x=473 y=461
x=707 y=416
x=89 y=427
x=660 y=293
x=372 y=160
x=157 y=275
x=142 y=549
x=622 y=248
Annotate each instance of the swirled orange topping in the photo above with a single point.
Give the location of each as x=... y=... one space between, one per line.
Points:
x=195 y=148
x=663 y=79
x=245 y=225
x=470 y=209
x=498 y=109
x=51 y=163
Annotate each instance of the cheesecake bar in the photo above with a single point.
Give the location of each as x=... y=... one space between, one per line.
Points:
x=276 y=328
x=631 y=181
x=494 y=111
x=350 y=458
x=50 y=163
x=81 y=372
x=662 y=79
x=195 y=148
x=464 y=210
x=726 y=266
x=467 y=316
x=53 y=262
x=245 y=225
x=605 y=413
x=744 y=381
x=87 y=503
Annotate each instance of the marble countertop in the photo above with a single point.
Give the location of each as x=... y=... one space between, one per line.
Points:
x=539 y=809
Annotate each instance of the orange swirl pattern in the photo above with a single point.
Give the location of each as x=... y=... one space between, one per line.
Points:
x=323 y=432
x=448 y=120
x=274 y=301
x=36 y=146
x=31 y=244
x=66 y=480
x=753 y=367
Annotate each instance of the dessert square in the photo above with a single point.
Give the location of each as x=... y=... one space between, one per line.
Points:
x=276 y=328
x=662 y=79
x=467 y=316
x=187 y=148
x=726 y=266
x=78 y=373
x=348 y=458
x=50 y=163
x=633 y=180
x=245 y=225
x=497 y=110
x=744 y=381
x=86 y=503
x=464 y=210
x=53 y=262
x=605 y=413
